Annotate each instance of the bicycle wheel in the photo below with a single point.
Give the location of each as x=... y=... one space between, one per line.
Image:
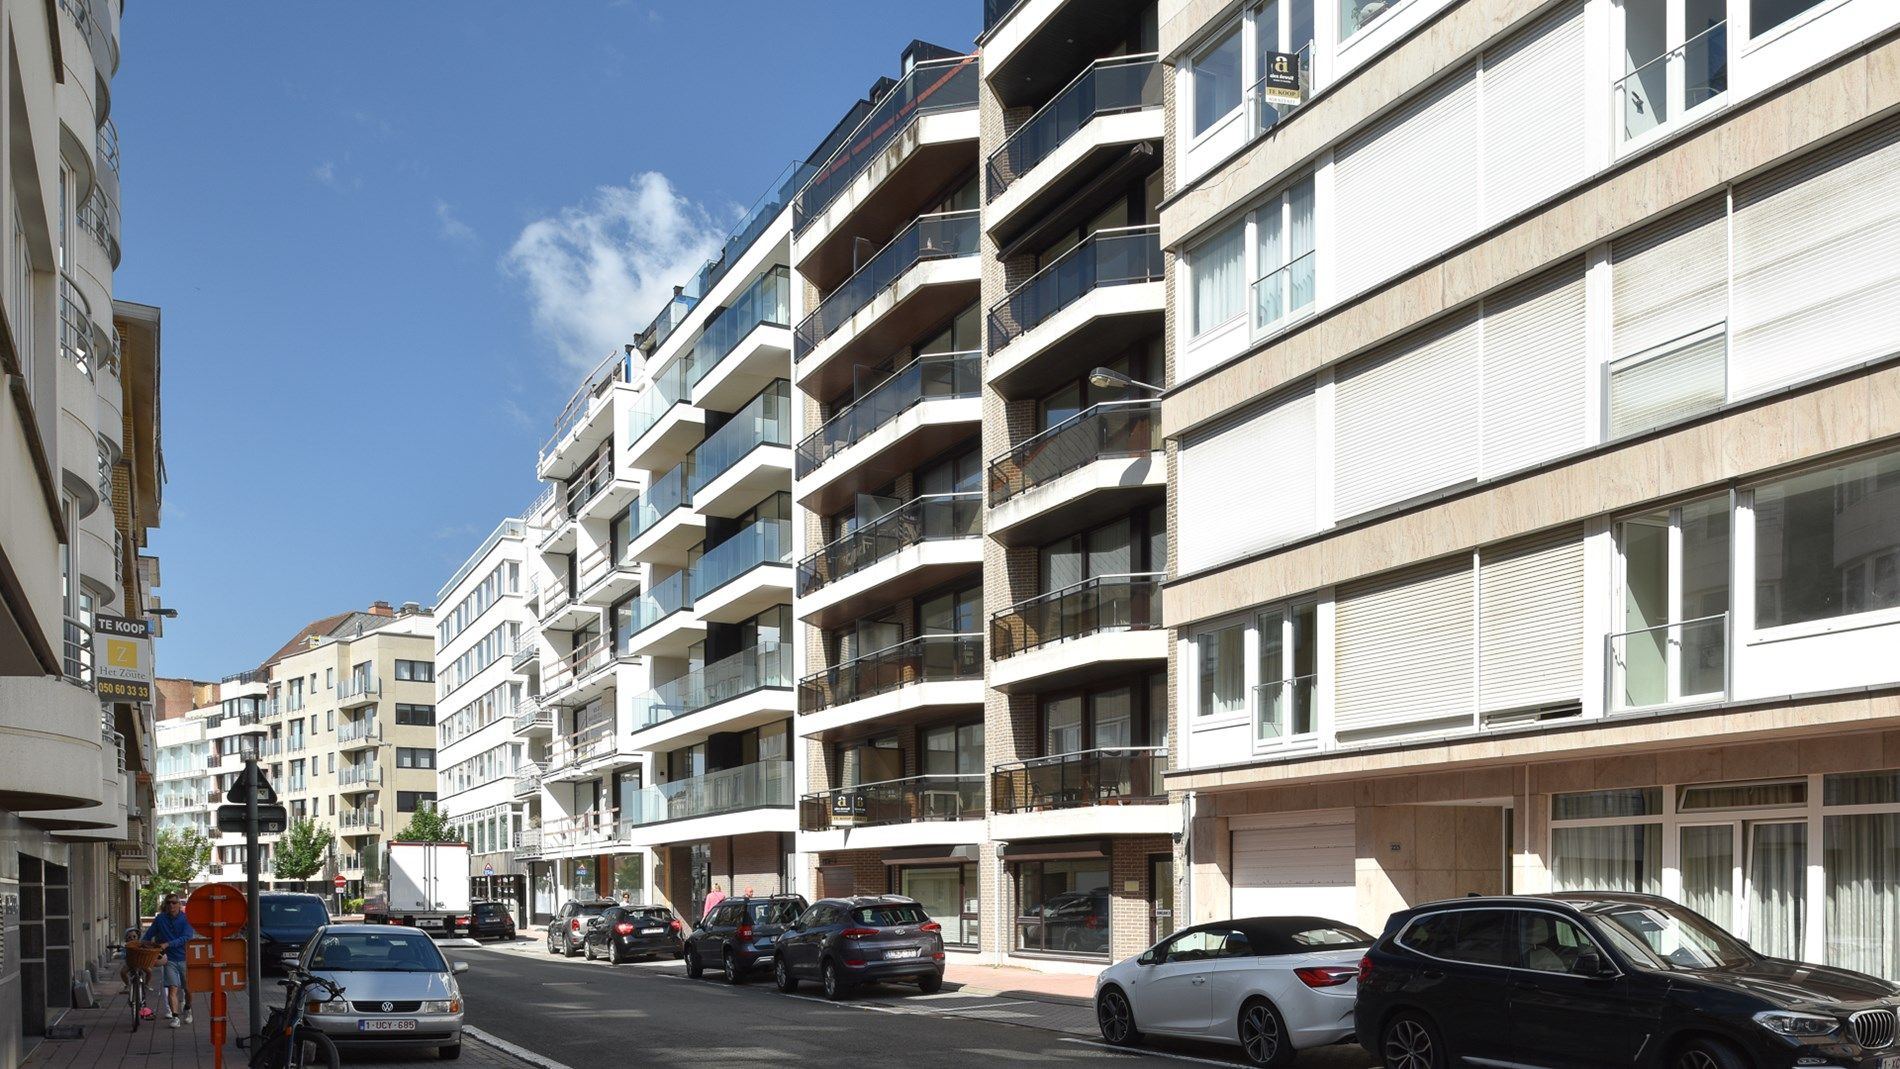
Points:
x=313 y=1049
x=135 y=994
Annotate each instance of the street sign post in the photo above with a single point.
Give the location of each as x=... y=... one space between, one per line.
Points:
x=340 y=882
x=214 y=962
x=255 y=785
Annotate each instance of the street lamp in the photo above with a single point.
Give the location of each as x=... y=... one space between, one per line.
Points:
x=1103 y=378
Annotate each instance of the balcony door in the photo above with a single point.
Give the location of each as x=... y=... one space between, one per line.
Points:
x=873 y=760
x=1673 y=643
x=1675 y=60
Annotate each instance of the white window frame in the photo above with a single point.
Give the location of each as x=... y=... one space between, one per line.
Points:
x=1236 y=28
x=1248 y=715
x=1674 y=61
x=1742 y=605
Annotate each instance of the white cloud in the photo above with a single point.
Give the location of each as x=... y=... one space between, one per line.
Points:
x=326 y=173
x=597 y=272
x=452 y=228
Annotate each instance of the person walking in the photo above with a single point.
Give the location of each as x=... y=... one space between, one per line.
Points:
x=172 y=930
x=712 y=900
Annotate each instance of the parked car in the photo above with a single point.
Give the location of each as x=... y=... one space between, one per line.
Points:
x=844 y=942
x=622 y=933
x=285 y=922
x=1074 y=921
x=1595 y=979
x=740 y=935
x=397 y=989
x=487 y=920
x=569 y=926
x=1273 y=986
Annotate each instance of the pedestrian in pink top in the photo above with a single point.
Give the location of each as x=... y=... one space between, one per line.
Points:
x=712 y=900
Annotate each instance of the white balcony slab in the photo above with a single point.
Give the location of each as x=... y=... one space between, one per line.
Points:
x=1068 y=659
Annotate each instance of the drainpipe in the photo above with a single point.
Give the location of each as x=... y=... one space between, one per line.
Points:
x=1185 y=895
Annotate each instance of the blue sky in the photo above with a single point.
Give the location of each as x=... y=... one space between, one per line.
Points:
x=362 y=353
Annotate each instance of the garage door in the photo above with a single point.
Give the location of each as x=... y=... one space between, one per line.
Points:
x=1296 y=870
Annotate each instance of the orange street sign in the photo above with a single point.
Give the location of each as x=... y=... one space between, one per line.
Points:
x=217 y=909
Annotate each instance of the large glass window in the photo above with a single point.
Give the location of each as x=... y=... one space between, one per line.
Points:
x=1063 y=906
x=1765 y=15
x=1216 y=76
x=1612 y=858
x=1827 y=543
x=1283 y=256
x=1675 y=56
x=1218 y=267
x=1673 y=643
x=950 y=894
x=1221 y=670
x=1288 y=673
x=1861 y=853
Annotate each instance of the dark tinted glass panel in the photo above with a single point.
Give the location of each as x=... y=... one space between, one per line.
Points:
x=888 y=916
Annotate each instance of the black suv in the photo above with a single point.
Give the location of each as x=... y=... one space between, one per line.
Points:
x=487 y=920
x=843 y=942
x=569 y=927
x=1600 y=979
x=285 y=922
x=740 y=934
x=623 y=933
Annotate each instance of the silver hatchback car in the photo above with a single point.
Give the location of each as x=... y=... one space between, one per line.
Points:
x=398 y=990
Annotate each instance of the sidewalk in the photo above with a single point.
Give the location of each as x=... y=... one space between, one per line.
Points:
x=106 y=1039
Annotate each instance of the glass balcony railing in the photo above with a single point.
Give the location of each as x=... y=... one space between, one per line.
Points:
x=932 y=518
x=662 y=496
x=1667 y=664
x=767 y=302
x=590 y=828
x=1269 y=101
x=924 y=659
x=586 y=400
x=1284 y=294
x=1105 y=258
x=1664 y=89
x=1110 y=429
x=898 y=801
x=365 y=775
x=932 y=377
x=667 y=597
x=765 y=420
x=995 y=11
x=670 y=387
x=1284 y=709
x=931 y=237
x=671 y=315
x=767 y=784
x=933 y=85
x=1106 y=87
x=358 y=686
x=1087 y=777
x=762 y=667
x=759 y=543
x=1092 y=606
x=755 y=222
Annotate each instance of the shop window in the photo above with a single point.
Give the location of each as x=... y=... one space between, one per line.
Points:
x=1063 y=907
x=950 y=894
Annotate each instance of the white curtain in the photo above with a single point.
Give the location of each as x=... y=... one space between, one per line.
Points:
x=1862 y=853
x=1777 y=888
x=1626 y=858
x=1223 y=671
x=1219 y=267
x=1708 y=872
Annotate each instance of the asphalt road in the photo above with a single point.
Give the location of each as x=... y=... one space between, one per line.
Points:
x=586 y=1015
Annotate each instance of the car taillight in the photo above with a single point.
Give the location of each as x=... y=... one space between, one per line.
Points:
x=1092 y=922
x=857 y=933
x=676 y=925
x=1365 y=969
x=623 y=928
x=744 y=932
x=574 y=925
x=463 y=921
x=1327 y=975
x=930 y=926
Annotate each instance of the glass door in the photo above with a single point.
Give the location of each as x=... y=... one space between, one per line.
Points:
x=1161 y=882
x=1673 y=644
x=1777 y=887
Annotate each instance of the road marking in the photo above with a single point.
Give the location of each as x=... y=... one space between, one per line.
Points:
x=526 y=1055
x=1147 y=1052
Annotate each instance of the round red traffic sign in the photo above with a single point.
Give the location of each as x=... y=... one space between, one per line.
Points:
x=340 y=882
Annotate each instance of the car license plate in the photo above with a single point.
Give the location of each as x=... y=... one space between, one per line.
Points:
x=1891 y=1061
x=651 y=931
x=386 y=1026
x=911 y=953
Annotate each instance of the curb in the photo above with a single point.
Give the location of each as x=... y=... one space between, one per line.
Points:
x=1074 y=1001
x=513 y=1050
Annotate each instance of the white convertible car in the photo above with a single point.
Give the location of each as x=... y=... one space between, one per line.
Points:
x=1272 y=986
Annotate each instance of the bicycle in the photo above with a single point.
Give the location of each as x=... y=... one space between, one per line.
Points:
x=140 y=958
x=284 y=1042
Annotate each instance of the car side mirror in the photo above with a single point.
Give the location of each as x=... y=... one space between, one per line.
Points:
x=1590 y=963
x=458 y=967
x=1146 y=959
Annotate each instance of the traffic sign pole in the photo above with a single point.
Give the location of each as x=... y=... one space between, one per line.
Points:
x=252 y=958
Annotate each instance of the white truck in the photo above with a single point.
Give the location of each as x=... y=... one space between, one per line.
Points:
x=428 y=887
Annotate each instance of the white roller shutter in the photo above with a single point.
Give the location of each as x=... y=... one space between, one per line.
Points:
x=1406 y=419
x=1670 y=281
x=1407 y=189
x=1530 y=625
x=1676 y=384
x=1301 y=871
x=1249 y=485
x=1817 y=281
x=1534 y=122
x=1405 y=653
x=1535 y=365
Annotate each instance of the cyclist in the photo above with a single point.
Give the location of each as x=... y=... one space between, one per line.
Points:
x=172 y=930
x=127 y=972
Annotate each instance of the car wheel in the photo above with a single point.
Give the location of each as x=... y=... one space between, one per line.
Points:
x=930 y=983
x=1116 y=1018
x=551 y=949
x=1263 y=1037
x=567 y=946
x=784 y=978
x=1410 y=1042
x=587 y=951
x=835 y=985
x=614 y=956
x=1706 y=1054
x=734 y=975
x=450 y=1052
x=693 y=968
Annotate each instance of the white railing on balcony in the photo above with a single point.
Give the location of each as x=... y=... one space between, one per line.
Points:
x=581 y=747
x=359 y=775
x=358 y=686
x=527 y=779
x=359 y=818
x=585 y=829
x=368 y=729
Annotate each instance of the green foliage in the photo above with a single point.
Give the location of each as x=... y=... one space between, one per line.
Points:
x=301 y=850
x=428 y=826
x=352 y=905
x=182 y=854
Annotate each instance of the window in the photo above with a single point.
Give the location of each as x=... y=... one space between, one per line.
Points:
x=1216 y=76
x=1549 y=943
x=1221 y=670
x=1625 y=857
x=415 y=671
x=1675 y=55
x=1765 y=15
x=1195 y=946
x=1217 y=268
x=415 y=715
x=1062 y=906
x=1673 y=644
x=1356 y=15
x=414 y=757
x=329 y=678
x=950 y=894
x=1283 y=271
x=1288 y=673
x=1827 y=543
x=410 y=801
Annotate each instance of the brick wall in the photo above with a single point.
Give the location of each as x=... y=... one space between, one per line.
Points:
x=1131 y=913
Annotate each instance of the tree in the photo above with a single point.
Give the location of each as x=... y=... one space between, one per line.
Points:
x=301 y=851
x=182 y=854
x=428 y=826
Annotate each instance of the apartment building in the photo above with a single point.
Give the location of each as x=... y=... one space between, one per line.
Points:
x=663 y=562
x=342 y=720
x=182 y=779
x=491 y=729
x=80 y=455
x=1534 y=445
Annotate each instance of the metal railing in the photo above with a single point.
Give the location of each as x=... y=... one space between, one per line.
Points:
x=527 y=780
x=765 y=303
x=1108 y=86
x=909 y=800
x=1285 y=293
x=755 y=786
x=512 y=527
x=931 y=518
x=1285 y=708
x=759 y=543
x=924 y=659
x=368 y=729
x=99 y=216
x=617 y=367
x=108 y=145
x=359 y=818
x=75 y=328
x=255 y=675
x=528 y=843
x=1103 y=603
x=929 y=237
x=582 y=829
x=669 y=318
x=349 y=862
x=1118 y=257
x=756 y=221
x=1683 y=661
x=995 y=11
x=555 y=596
x=1099 y=432
x=525 y=650
x=661 y=497
x=366 y=775
x=354 y=686
x=1265 y=108
x=531 y=714
x=760 y=667
x=931 y=377
x=765 y=420
x=1114 y=776
x=600 y=565
x=580 y=747
x=933 y=85
x=1663 y=89
x=581 y=663
x=584 y=487
x=76 y=660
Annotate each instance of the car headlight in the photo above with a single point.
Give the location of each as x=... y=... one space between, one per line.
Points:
x=442 y=1005
x=335 y=1006
x=1789 y=1023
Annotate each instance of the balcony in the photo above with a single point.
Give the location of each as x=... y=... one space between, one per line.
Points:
x=744 y=575
x=663 y=527
x=353 y=690
x=917 y=412
x=359 y=820
x=914 y=546
x=593 y=483
x=365 y=732
x=349 y=862
x=928 y=671
x=662 y=424
x=528 y=843
x=1112 y=104
x=570 y=752
x=748 y=457
x=603 y=580
x=594 y=828
x=767 y=784
x=1066 y=478
x=356 y=778
x=577 y=433
x=1033 y=643
x=582 y=671
x=658 y=623
x=922 y=276
x=528 y=780
x=669 y=319
x=756 y=221
x=742 y=350
x=1082 y=302
x=910 y=800
x=526 y=652
x=1682 y=663
x=532 y=718
x=76 y=660
x=1125 y=776
x=760 y=670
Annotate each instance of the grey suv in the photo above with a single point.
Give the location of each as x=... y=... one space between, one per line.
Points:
x=740 y=934
x=844 y=942
x=567 y=932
